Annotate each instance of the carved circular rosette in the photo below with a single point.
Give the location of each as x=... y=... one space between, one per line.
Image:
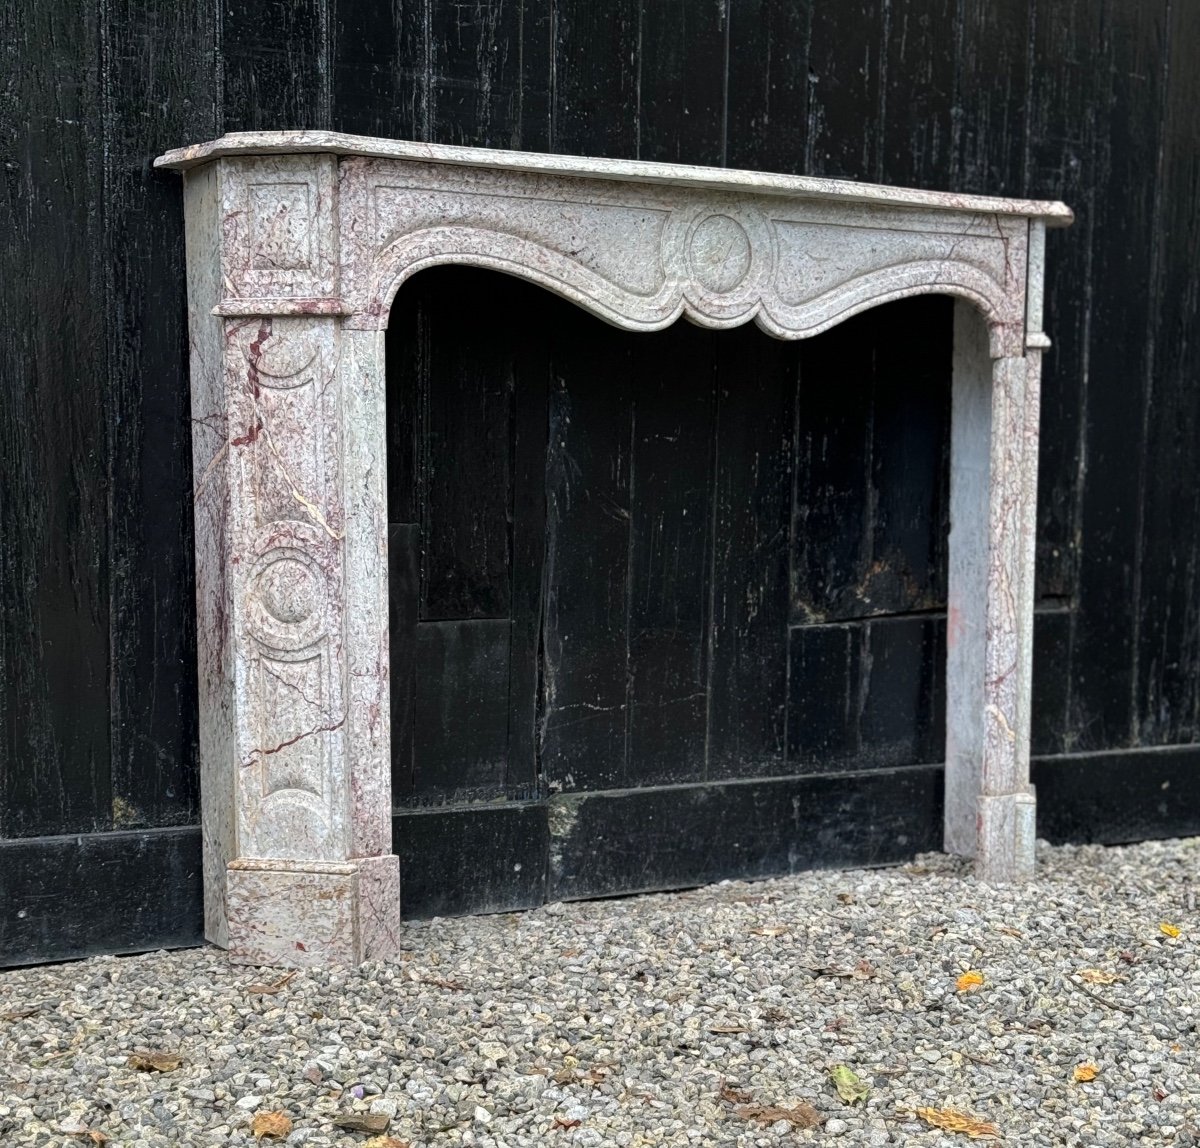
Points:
x=287 y=600
x=722 y=255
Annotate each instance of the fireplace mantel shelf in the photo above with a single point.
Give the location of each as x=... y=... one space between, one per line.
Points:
x=296 y=244
x=626 y=170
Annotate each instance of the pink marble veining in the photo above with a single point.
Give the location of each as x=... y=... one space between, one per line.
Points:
x=296 y=245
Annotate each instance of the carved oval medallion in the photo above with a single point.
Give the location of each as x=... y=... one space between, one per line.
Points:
x=288 y=591
x=719 y=253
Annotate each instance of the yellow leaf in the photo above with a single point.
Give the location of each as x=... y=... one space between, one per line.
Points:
x=951 y=1120
x=1097 y=976
x=1169 y=929
x=969 y=981
x=1085 y=1072
x=849 y=1087
x=276 y=1125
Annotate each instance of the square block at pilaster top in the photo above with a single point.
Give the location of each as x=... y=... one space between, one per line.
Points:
x=278 y=224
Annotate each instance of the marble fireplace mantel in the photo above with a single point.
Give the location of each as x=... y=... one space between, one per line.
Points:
x=296 y=244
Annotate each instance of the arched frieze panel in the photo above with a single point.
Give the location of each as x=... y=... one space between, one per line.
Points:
x=641 y=257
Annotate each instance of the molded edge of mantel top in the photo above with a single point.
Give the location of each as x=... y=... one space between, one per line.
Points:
x=1054 y=213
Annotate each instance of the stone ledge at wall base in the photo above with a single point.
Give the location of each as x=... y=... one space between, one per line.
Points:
x=296 y=245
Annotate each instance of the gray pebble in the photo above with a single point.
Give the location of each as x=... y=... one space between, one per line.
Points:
x=654 y=1020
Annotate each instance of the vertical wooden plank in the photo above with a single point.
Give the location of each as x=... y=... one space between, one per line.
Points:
x=476 y=73
x=989 y=109
x=588 y=511
x=682 y=69
x=1127 y=215
x=404 y=588
x=1065 y=155
x=767 y=84
x=917 y=75
x=531 y=374
x=54 y=512
x=831 y=529
x=872 y=465
x=464 y=465
x=407 y=355
x=670 y=562
x=1168 y=653
x=380 y=68
x=535 y=110
x=847 y=88
x=460 y=699
x=277 y=67
x=867 y=695
x=167 y=60
x=910 y=456
x=1051 y=683
x=757 y=378
x=596 y=103
x=1066 y=120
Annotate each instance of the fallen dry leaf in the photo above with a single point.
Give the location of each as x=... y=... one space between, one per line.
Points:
x=732 y=1095
x=801 y=1116
x=270 y=990
x=92 y=1134
x=17 y=1014
x=849 y=1087
x=155 y=1061
x=969 y=981
x=560 y=1122
x=1009 y=931
x=1130 y=957
x=846 y=898
x=1168 y=929
x=720 y=1029
x=1098 y=977
x=361 y=1123
x=774 y=1015
x=570 y=953
x=439 y=983
x=769 y=931
x=386 y=1142
x=1085 y=1072
x=951 y=1120
x=275 y=1125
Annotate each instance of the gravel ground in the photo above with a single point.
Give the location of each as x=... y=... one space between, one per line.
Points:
x=673 y=1019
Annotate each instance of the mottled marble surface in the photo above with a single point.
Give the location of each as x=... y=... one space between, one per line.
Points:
x=297 y=243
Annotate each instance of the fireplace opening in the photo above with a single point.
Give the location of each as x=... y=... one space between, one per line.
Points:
x=674 y=563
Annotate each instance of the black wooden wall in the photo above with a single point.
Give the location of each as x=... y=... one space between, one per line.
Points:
x=1091 y=101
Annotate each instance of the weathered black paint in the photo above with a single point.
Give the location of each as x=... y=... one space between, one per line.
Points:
x=118 y=892
x=1093 y=102
x=666 y=837
x=481 y=859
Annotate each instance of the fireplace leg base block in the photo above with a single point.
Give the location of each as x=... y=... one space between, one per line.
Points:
x=1007 y=833
x=301 y=914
